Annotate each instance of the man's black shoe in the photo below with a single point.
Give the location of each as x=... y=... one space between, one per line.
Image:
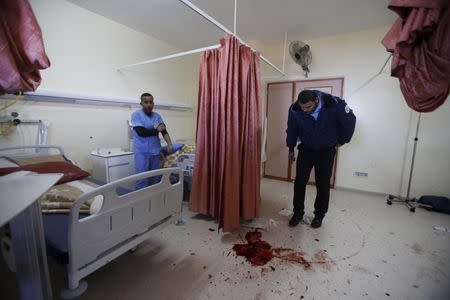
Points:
x=295 y=220
x=316 y=222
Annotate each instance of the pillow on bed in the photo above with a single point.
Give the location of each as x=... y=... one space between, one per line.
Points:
x=60 y=198
x=70 y=171
x=23 y=161
x=7 y=163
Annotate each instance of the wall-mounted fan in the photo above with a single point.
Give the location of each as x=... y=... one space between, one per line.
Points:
x=301 y=54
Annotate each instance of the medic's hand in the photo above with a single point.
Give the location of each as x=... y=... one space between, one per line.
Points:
x=169 y=149
x=291 y=156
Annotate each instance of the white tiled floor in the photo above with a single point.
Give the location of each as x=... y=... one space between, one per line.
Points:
x=373 y=250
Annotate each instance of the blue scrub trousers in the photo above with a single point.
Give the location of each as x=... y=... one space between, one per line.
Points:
x=145 y=162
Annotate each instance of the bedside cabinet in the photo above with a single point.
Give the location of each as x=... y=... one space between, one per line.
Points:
x=109 y=167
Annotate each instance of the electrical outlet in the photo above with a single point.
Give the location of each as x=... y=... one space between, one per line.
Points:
x=360 y=174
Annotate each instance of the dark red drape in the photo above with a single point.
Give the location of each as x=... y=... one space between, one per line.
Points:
x=22 y=51
x=420 y=43
x=226 y=177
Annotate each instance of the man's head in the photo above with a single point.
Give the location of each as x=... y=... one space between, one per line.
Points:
x=308 y=101
x=147 y=103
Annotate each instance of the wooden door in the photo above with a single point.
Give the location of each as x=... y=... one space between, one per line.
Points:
x=279 y=99
x=332 y=86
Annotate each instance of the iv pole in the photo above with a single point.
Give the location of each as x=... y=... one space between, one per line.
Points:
x=407 y=201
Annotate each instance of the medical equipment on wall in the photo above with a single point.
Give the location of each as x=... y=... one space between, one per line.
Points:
x=8 y=123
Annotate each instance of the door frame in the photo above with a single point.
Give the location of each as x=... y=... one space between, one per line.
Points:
x=267 y=111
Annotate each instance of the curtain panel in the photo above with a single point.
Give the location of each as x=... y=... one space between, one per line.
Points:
x=226 y=179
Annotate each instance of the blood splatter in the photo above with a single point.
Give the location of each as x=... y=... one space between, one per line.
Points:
x=259 y=252
x=293 y=256
x=256 y=251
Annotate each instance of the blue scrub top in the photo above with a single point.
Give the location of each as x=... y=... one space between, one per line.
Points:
x=151 y=144
x=315 y=114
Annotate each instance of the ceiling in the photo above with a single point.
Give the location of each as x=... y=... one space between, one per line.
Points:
x=265 y=21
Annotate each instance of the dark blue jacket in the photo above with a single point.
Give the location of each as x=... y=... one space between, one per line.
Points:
x=335 y=124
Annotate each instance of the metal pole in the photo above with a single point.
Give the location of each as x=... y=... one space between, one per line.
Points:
x=169 y=56
x=370 y=79
x=284 y=50
x=214 y=22
x=385 y=63
x=235 y=15
x=272 y=65
x=413 y=157
x=205 y=15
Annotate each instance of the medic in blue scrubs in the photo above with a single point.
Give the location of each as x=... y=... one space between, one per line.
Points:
x=147 y=125
x=320 y=122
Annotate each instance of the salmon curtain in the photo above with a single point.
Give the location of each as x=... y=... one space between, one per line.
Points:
x=22 y=51
x=226 y=179
x=420 y=43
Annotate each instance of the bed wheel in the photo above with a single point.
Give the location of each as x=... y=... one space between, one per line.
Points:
x=74 y=293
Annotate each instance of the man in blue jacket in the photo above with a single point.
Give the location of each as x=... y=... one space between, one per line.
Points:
x=321 y=123
x=147 y=125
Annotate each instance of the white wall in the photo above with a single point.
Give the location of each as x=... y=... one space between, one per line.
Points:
x=431 y=174
x=85 y=49
x=382 y=142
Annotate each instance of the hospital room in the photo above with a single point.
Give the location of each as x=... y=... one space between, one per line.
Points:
x=224 y=149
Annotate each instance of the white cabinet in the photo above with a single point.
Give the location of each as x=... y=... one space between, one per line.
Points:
x=110 y=167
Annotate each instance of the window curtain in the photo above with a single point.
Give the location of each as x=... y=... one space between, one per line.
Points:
x=22 y=51
x=420 y=45
x=226 y=179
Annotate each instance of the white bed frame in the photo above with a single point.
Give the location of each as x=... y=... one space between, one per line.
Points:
x=122 y=223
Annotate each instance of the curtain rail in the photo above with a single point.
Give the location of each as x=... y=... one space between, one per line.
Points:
x=214 y=22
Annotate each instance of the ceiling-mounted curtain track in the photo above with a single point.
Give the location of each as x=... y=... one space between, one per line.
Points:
x=214 y=22
x=44 y=95
x=169 y=57
x=284 y=50
x=235 y=17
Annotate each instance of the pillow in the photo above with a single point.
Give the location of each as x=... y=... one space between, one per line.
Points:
x=23 y=161
x=7 y=163
x=60 y=198
x=70 y=171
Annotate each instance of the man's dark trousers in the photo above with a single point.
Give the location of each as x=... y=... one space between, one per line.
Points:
x=322 y=161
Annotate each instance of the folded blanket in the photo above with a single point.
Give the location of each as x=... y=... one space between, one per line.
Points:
x=59 y=198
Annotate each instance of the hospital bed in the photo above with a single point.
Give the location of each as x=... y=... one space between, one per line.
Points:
x=87 y=240
x=183 y=158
